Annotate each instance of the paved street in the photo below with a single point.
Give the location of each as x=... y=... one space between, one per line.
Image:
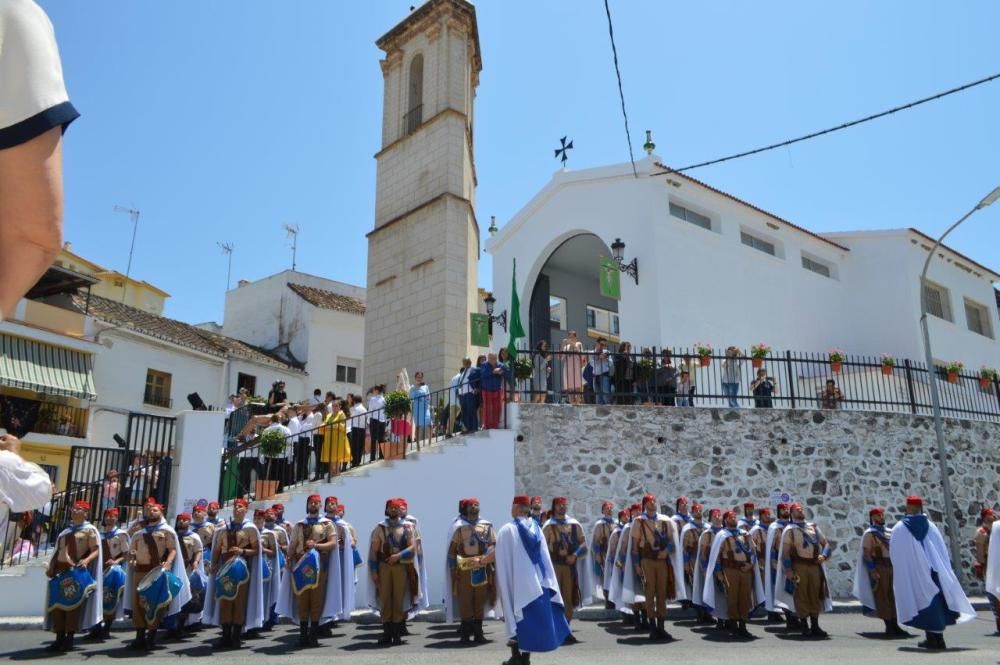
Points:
x=601 y=642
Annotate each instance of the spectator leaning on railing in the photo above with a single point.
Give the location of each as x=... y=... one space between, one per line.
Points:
x=830 y=396
x=602 y=372
x=23 y=486
x=763 y=388
x=732 y=365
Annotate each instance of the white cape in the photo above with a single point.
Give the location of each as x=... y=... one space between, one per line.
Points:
x=621 y=567
x=274 y=587
x=862 y=589
x=424 y=600
x=519 y=581
x=993 y=561
x=609 y=560
x=783 y=599
x=120 y=609
x=184 y=595
x=348 y=572
x=333 y=608
x=691 y=593
x=632 y=584
x=698 y=579
x=93 y=607
x=912 y=563
x=199 y=569
x=450 y=599
x=718 y=600
x=411 y=605
x=599 y=576
x=255 y=600
x=584 y=572
x=774 y=530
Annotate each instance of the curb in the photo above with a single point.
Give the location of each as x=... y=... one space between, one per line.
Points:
x=437 y=615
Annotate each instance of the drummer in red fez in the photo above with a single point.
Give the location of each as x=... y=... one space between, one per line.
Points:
x=240 y=539
x=77 y=547
x=152 y=548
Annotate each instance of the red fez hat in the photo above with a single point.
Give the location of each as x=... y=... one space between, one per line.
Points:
x=269 y=513
x=241 y=503
x=522 y=500
x=635 y=507
x=559 y=500
x=278 y=507
x=782 y=507
x=330 y=499
x=200 y=507
x=341 y=507
x=536 y=499
x=749 y=504
x=697 y=506
x=714 y=512
x=914 y=500
x=258 y=513
x=150 y=499
x=729 y=513
x=647 y=498
x=607 y=504
x=81 y=505
x=398 y=503
x=682 y=499
x=401 y=502
x=184 y=516
x=111 y=512
x=313 y=497
x=622 y=514
x=876 y=511
x=471 y=500
x=985 y=512
x=764 y=511
x=213 y=504
x=795 y=506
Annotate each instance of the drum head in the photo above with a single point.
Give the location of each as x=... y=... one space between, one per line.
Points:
x=150 y=579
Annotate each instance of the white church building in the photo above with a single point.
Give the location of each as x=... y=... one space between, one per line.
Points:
x=715 y=268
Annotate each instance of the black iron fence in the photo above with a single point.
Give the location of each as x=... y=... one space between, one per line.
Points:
x=327 y=444
x=785 y=379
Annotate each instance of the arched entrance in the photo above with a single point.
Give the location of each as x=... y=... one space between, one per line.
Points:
x=566 y=295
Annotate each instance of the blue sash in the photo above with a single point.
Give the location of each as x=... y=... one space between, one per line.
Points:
x=267 y=569
x=198 y=587
x=70 y=588
x=233 y=575
x=156 y=591
x=357 y=557
x=305 y=574
x=114 y=586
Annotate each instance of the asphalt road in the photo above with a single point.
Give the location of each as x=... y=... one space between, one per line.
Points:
x=853 y=640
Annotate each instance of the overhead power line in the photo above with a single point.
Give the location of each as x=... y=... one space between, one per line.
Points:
x=621 y=93
x=845 y=125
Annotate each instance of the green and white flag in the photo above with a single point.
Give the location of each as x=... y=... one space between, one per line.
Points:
x=516 y=331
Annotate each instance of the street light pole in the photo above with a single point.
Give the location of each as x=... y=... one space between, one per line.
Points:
x=949 y=502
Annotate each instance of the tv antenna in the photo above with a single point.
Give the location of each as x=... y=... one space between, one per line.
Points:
x=293 y=232
x=133 y=215
x=227 y=248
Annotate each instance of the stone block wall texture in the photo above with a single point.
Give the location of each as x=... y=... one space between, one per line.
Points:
x=836 y=463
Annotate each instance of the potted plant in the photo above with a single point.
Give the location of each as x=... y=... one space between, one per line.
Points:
x=888 y=362
x=523 y=368
x=644 y=370
x=758 y=352
x=272 y=445
x=986 y=376
x=704 y=351
x=397 y=407
x=953 y=369
x=836 y=359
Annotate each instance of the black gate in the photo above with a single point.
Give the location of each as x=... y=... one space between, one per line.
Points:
x=92 y=479
x=148 y=455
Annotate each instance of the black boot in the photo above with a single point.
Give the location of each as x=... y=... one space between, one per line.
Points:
x=386 y=638
x=741 y=630
x=932 y=642
x=661 y=632
x=139 y=643
x=628 y=619
x=897 y=631
x=303 y=633
x=397 y=634
x=815 y=630
x=792 y=622
x=477 y=632
x=401 y=627
x=570 y=639
x=608 y=605
x=641 y=625
x=465 y=632
x=237 y=636
x=998 y=627
x=106 y=631
x=773 y=617
x=150 y=639
x=720 y=624
x=57 y=644
x=314 y=635
x=67 y=644
x=226 y=641
x=516 y=657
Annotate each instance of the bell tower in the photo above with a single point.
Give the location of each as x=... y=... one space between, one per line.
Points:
x=423 y=253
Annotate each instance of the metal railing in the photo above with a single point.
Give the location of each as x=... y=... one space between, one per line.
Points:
x=51 y=418
x=152 y=398
x=413 y=118
x=793 y=380
x=321 y=451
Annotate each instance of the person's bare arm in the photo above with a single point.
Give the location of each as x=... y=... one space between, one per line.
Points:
x=31 y=212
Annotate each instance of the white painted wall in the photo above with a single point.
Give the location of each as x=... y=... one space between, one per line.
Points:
x=700 y=285
x=334 y=336
x=197 y=459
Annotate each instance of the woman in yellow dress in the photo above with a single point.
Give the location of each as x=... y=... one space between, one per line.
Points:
x=336 y=451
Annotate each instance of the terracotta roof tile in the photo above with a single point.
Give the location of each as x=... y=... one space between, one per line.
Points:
x=176 y=332
x=328 y=299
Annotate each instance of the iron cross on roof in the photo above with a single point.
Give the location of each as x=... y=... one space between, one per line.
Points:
x=563 y=151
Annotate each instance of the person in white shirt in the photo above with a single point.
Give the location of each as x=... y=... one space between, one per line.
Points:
x=275 y=467
x=317 y=397
x=376 y=419
x=357 y=424
x=292 y=456
x=316 y=429
x=23 y=486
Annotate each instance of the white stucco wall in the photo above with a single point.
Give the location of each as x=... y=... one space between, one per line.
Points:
x=334 y=336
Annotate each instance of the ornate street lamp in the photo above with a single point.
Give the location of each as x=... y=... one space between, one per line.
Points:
x=500 y=319
x=618 y=251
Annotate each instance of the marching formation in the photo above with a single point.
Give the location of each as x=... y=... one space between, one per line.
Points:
x=245 y=575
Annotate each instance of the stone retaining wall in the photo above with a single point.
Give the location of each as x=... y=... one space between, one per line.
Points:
x=837 y=463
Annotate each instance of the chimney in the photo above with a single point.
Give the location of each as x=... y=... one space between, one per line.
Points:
x=240 y=284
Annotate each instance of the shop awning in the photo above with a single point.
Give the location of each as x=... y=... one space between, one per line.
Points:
x=43 y=368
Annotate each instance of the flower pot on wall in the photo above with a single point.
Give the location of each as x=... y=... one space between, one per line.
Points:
x=836 y=365
x=705 y=360
x=952 y=377
x=757 y=363
x=984 y=383
x=265 y=489
x=887 y=369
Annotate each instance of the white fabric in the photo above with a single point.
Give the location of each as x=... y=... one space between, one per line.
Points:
x=114 y=533
x=273 y=588
x=376 y=404
x=698 y=579
x=599 y=587
x=519 y=581
x=584 y=571
x=609 y=559
x=29 y=63
x=410 y=605
x=622 y=566
x=333 y=608
x=632 y=585
x=993 y=561
x=194 y=617
x=255 y=599
x=93 y=607
x=912 y=563
x=184 y=595
x=692 y=593
x=774 y=530
x=348 y=572
x=862 y=589
x=719 y=601
x=23 y=486
x=783 y=599
x=425 y=598
x=450 y=600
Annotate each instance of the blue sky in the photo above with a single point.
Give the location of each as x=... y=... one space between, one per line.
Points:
x=222 y=121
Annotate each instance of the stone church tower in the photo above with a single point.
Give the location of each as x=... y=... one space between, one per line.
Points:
x=423 y=253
